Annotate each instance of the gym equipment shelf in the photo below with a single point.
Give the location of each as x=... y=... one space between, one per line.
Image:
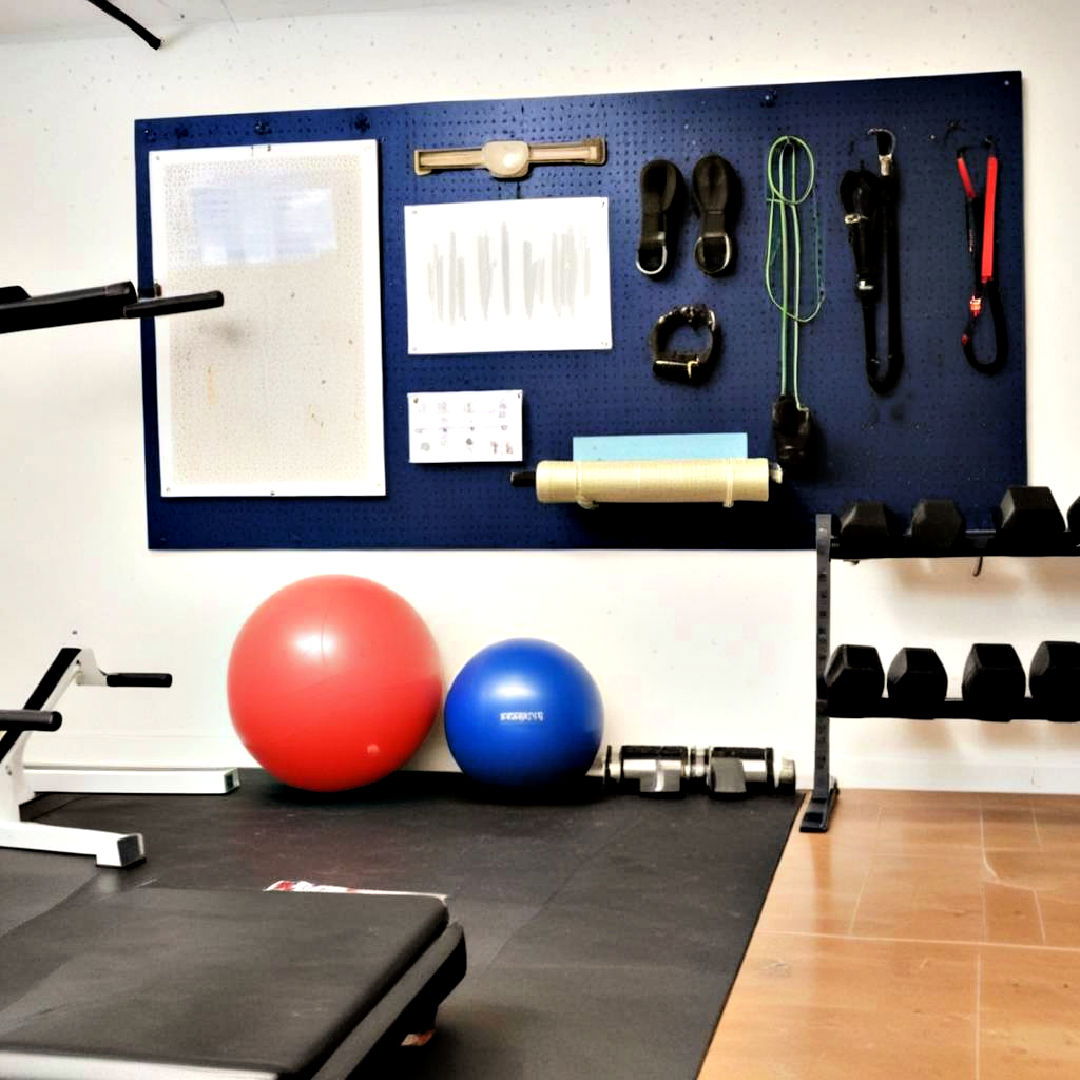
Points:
x=950 y=709
x=974 y=543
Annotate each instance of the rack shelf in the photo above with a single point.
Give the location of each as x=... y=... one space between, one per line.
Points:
x=829 y=548
x=953 y=709
x=974 y=543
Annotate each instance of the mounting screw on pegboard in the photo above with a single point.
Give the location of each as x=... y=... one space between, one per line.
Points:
x=361 y=123
x=951 y=127
x=769 y=99
x=262 y=127
x=149 y=134
x=181 y=132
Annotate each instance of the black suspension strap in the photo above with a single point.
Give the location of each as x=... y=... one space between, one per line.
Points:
x=980 y=210
x=869 y=203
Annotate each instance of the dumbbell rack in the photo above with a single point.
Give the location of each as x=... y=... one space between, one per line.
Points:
x=974 y=543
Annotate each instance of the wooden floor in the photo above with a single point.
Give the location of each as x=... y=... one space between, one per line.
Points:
x=925 y=935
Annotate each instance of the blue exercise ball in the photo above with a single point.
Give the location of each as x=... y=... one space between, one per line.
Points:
x=523 y=712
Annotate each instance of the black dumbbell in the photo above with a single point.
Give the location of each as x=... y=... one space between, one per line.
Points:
x=917 y=681
x=854 y=678
x=1029 y=516
x=937 y=524
x=1054 y=677
x=994 y=681
x=866 y=526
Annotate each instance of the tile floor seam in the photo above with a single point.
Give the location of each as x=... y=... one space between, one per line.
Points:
x=1039 y=912
x=866 y=874
x=873 y=939
x=991 y=873
x=982 y=890
x=978 y=1016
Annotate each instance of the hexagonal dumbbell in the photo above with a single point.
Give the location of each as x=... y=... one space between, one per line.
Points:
x=854 y=678
x=937 y=524
x=917 y=681
x=994 y=681
x=1029 y=516
x=1054 y=678
x=865 y=526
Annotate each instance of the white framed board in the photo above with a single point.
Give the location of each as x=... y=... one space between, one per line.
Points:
x=278 y=393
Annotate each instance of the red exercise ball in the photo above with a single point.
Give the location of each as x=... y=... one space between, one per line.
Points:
x=333 y=683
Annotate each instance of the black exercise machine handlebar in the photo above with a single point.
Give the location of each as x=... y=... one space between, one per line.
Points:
x=14 y=723
x=156 y=681
x=21 y=311
x=174 y=305
x=69 y=665
x=29 y=720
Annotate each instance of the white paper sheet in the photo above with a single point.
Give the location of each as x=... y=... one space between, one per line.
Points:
x=280 y=391
x=262 y=219
x=465 y=425
x=508 y=275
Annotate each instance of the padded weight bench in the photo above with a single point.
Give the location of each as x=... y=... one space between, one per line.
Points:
x=185 y=983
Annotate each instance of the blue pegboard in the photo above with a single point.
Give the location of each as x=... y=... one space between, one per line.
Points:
x=946 y=432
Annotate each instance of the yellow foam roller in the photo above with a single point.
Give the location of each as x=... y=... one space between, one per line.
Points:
x=720 y=480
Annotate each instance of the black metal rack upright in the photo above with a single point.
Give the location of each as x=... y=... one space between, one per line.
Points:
x=828 y=547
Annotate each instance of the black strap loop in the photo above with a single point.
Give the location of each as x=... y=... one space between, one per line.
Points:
x=991 y=298
x=662 y=192
x=687 y=367
x=715 y=187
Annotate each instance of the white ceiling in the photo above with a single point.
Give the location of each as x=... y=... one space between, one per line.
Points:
x=78 y=18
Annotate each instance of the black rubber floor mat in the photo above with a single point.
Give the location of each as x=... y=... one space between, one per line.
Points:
x=604 y=932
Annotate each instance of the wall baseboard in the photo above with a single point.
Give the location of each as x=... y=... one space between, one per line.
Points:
x=920 y=774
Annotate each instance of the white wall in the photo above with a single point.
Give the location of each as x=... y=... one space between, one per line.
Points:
x=708 y=647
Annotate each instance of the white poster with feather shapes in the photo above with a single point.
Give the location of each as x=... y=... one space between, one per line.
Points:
x=508 y=275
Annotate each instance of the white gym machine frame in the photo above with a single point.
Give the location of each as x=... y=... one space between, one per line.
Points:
x=19 y=783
